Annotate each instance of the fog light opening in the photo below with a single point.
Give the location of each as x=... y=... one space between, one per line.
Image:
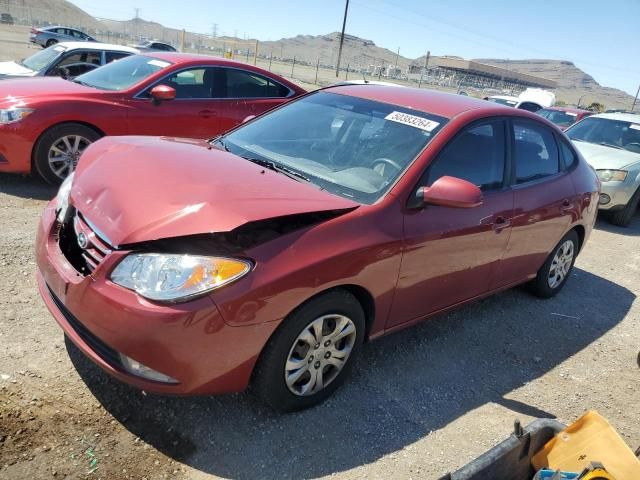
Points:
x=604 y=199
x=139 y=370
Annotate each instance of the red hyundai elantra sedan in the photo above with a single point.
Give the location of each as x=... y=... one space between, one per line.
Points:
x=269 y=255
x=46 y=123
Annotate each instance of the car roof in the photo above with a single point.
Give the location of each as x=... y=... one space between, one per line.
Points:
x=437 y=103
x=505 y=97
x=625 y=117
x=98 y=46
x=178 y=57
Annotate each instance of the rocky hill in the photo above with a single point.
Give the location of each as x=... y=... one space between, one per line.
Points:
x=572 y=81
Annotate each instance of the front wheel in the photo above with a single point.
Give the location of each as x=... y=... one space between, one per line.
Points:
x=51 y=42
x=311 y=352
x=556 y=269
x=622 y=218
x=58 y=150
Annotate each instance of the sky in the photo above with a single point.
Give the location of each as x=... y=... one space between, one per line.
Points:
x=600 y=37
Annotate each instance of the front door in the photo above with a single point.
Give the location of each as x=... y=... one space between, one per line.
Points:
x=450 y=254
x=194 y=113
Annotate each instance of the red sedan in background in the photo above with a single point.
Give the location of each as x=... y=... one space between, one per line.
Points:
x=46 y=123
x=271 y=253
x=564 y=117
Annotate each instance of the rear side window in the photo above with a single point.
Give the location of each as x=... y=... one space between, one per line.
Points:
x=569 y=156
x=243 y=84
x=535 y=151
x=111 y=56
x=476 y=155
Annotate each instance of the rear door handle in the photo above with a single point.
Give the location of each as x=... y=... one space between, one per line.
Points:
x=500 y=223
x=207 y=113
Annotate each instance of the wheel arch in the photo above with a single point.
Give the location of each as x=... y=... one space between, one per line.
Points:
x=59 y=124
x=581 y=232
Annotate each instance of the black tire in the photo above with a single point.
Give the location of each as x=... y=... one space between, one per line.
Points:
x=48 y=139
x=51 y=42
x=268 y=381
x=539 y=286
x=622 y=218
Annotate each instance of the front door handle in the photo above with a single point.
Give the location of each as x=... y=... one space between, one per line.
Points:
x=207 y=113
x=500 y=223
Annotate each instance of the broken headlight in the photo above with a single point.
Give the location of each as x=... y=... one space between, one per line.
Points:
x=62 y=198
x=173 y=277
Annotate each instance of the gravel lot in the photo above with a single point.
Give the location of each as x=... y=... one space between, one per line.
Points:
x=420 y=403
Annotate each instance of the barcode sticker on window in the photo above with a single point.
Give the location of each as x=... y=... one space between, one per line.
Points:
x=413 y=121
x=634 y=126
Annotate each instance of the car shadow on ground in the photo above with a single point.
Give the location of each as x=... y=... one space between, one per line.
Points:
x=403 y=387
x=26 y=186
x=632 y=230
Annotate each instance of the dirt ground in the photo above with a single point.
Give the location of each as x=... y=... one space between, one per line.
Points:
x=420 y=403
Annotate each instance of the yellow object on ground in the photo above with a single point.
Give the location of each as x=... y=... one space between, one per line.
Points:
x=590 y=438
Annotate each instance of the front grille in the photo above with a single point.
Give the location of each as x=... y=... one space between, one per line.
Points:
x=84 y=249
x=104 y=351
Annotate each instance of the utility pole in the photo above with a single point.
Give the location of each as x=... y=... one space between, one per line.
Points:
x=424 y=70
x=635 y=100
x=214 y=30
x=397 y=55
x=344 y=24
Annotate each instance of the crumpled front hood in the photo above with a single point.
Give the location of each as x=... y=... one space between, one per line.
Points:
x=601 y=157
x=12 y=68
x=135 y=189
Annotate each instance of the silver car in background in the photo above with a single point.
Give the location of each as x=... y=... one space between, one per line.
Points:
x=67 y=59
x=47 y=36
x=610 y=142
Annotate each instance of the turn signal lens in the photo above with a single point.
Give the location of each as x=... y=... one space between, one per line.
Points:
x=611 y=175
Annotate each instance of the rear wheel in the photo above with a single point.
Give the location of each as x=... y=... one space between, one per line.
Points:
x=51 y=42
x=556 y=269
x=311 y=353
x=58 y=150
x=622 y=218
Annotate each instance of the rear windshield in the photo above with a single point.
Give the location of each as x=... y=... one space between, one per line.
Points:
x=560 y=118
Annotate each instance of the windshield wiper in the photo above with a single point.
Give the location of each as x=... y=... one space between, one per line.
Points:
x=277 y=167
x=220 y=142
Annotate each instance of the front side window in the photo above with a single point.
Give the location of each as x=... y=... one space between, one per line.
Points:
x=124 y=74
x=92 y=57
x=476 y=155
x=243 y=84
x=349 y=146
x=192 y=83
x=534 y=150
x=112 y=56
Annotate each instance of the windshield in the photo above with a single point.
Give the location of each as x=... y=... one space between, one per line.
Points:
x=350 y=146
x=560 y=118
x=122 y=74
x=605 y=131
x=43 y=58
x=503 y=101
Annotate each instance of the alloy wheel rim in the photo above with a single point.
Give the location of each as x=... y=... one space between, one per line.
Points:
x=561 y=264
x=319 y=354
x=64 y=154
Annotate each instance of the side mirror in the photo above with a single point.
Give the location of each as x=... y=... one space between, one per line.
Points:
x=451 y=192
x=162 y=93
x=248 y=118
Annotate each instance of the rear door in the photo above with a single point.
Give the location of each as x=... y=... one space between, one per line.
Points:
x=450 y=254
x=244 y=93
x=544 y=200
